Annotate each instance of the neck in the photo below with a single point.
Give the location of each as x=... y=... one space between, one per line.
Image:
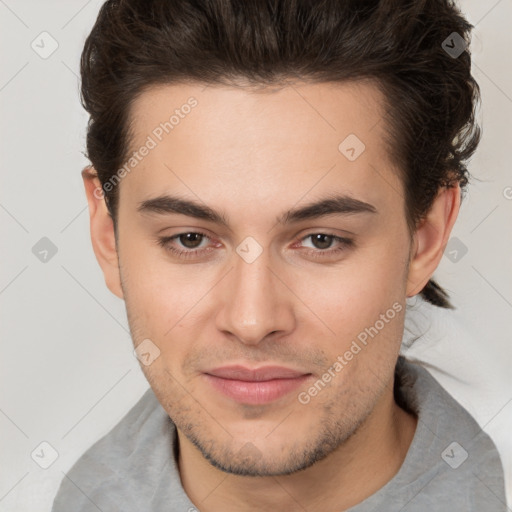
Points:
x=350 y=474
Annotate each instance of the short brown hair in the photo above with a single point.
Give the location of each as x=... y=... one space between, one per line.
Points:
x=431 y=95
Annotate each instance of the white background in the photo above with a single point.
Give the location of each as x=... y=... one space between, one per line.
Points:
x=67 y=370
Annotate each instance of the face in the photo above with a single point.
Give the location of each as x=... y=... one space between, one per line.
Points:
x=272 y=297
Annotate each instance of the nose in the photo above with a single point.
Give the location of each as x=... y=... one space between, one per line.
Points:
x=255 y=303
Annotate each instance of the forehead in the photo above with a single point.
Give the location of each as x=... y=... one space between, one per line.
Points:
x=326 y=111
x=213 y=140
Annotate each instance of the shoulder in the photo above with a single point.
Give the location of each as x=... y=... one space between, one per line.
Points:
x=134 y=452
x=463 y=459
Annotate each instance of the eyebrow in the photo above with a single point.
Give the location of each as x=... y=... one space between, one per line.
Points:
x=332 y=205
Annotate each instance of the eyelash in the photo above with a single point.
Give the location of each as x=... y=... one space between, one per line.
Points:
x=346 y=243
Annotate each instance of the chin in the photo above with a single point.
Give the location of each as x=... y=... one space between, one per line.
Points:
x=279 y=459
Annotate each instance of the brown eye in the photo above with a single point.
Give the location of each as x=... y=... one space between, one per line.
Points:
x=190 y=244
x=191 y=240
x=325 y=245
x=322 y=240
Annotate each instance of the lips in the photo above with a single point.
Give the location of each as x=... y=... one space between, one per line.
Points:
x=259 y=374
x=255 y=386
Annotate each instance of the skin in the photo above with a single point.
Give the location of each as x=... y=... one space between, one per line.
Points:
x=253 y=155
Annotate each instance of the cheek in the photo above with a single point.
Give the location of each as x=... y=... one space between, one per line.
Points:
x=159 y=296
x=360 y=305
x=153 y=279
x=358 y=288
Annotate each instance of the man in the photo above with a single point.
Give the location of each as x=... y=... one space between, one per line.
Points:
x=269 y=183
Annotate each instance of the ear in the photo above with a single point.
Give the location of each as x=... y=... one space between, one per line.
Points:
x=102 y=232
x=431 y=238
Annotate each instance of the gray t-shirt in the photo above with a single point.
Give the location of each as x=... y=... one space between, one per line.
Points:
x=451 y=465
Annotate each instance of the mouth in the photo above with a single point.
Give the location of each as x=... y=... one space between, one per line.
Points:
x=255 y=386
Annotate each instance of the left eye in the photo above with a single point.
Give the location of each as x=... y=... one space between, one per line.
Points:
x=321 y=240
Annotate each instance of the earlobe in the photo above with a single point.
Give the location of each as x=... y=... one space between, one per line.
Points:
x=102 y=232
x=431 y=238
